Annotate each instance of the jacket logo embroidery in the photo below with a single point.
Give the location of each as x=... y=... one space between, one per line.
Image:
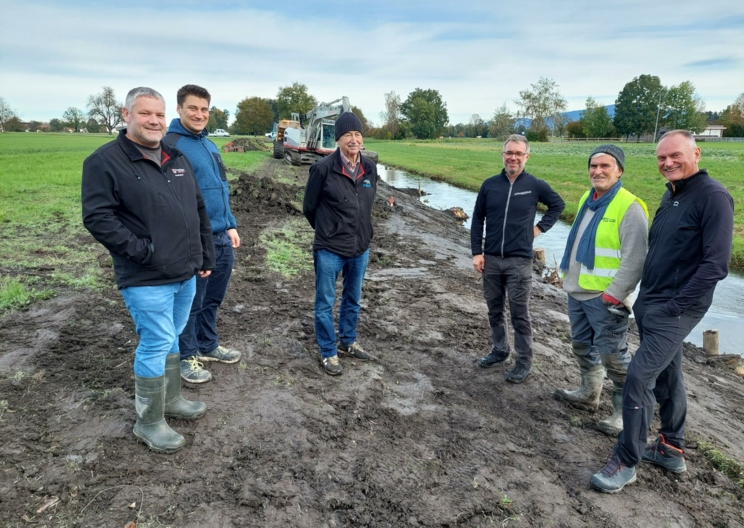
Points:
x=366 y=183
x=178 y=172
x=675 y=203
x=521 y=193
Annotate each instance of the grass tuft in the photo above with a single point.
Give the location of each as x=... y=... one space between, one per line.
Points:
x=726 y=465
x=287 y=247
x=15 y=294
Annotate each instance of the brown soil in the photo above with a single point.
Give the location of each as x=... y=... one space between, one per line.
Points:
x=418 y=437
x=245 y=144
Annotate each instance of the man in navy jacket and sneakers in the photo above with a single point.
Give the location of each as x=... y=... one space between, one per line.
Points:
x=507 y=203
x=689 y=252
x=338 y=204
x=199 y=341
x=141 y=201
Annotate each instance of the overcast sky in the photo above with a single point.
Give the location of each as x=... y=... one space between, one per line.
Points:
x=478 y=54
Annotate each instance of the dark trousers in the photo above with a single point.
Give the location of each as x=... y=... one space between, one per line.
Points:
x=655 y=375
x=510 y=278
x=200 y=333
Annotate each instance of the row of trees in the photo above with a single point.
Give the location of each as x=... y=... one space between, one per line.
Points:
x=644 y=106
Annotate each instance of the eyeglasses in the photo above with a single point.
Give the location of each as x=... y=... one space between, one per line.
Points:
x=519 y=155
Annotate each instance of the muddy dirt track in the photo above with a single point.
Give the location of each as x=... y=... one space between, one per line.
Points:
x=418 y=437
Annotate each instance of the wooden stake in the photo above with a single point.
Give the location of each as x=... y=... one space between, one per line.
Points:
x=710 y=342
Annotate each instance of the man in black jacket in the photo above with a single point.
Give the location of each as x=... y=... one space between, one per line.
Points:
x=689 y=252
x=141 y=201
x=507 y=203
x=338 y=204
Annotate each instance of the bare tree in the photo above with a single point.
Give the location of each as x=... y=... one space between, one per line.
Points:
x=391 y=116
x=6 y=113
x=105 y=109
x=541 y=102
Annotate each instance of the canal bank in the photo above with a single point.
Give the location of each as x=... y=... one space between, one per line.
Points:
x=724 y=315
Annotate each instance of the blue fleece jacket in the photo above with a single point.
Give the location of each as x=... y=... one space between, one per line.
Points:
x=210 y=173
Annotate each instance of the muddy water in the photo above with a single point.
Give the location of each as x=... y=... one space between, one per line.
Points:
x=724 y=315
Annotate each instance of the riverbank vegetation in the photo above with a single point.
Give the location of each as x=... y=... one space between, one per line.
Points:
x=467 y=162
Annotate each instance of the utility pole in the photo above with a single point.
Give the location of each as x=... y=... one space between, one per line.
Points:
x=658 y=110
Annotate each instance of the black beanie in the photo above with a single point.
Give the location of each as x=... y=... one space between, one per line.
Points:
x=612 y=150
x=347 y=122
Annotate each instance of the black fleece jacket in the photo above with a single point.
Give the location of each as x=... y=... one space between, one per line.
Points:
x=339 y=207
x=508 y=210
x=151 y=219
x=689 y=245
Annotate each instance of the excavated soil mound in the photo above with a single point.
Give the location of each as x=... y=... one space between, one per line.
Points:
x=245 y=144
x=419 y=436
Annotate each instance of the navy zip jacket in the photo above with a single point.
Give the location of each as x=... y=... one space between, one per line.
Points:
x=152 y=219
x=689 y=245
x=508 y=210
x=339 y=207
x=210 y=173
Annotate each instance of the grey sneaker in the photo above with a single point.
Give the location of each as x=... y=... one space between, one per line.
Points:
x=519 y=373
x=665 y=455
x=332 y=365
x=493 y=359
x=354 y=350
x=221 y=354
x=613 y=477
x=192 y=371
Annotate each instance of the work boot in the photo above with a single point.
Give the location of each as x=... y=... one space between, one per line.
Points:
x=176 y=406
x=588 y=394
x=519 y=373
x=151 y=427
x=613 y=477
x=614 y=424
x=665 y=455
x=493 y=359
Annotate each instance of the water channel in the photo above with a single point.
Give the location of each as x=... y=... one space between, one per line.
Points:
x=724 y=314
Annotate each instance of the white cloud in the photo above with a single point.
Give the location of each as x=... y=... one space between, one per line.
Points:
x=477 y=54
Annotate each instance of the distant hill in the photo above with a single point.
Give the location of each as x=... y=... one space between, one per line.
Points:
x=575 y=115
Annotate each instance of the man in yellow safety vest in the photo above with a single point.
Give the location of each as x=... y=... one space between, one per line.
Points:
x=602 y=265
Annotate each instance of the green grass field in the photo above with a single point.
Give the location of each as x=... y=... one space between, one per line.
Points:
x=466 y=163
x=43 y=242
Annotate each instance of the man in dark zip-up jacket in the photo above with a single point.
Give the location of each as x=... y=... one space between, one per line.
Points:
x=338 y=204
x=507 y=204
x=689 y=252
x=141 y=201
x=199 y=341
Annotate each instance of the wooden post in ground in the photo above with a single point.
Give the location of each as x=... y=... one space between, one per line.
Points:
x=540 y=256
x=710 y=342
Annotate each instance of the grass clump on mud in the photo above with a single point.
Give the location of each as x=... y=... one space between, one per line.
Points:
x=286 y=247
x=16 y=293
x=726 y=465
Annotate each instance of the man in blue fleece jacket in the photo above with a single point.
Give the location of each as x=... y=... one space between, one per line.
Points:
x=199 y=341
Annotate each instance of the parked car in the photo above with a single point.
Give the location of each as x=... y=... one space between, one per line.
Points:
x=219 y=133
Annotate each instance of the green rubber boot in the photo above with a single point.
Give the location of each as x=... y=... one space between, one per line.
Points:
x=592 y=376
x=176 y=406
x=614 y=424
x=151 y=427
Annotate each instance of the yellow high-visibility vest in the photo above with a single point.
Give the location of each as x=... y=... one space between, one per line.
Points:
x=607 y=242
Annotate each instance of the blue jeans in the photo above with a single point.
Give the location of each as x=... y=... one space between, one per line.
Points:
x=327 y=267
x=200 y=334
x=160 y=314
x=512 y=277
x=603 y=333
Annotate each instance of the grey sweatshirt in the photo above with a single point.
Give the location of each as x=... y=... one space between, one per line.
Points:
x=633 y=247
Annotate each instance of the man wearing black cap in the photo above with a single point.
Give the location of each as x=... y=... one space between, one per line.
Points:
x=688 y=253
x=338 y=204
x=602 y=265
